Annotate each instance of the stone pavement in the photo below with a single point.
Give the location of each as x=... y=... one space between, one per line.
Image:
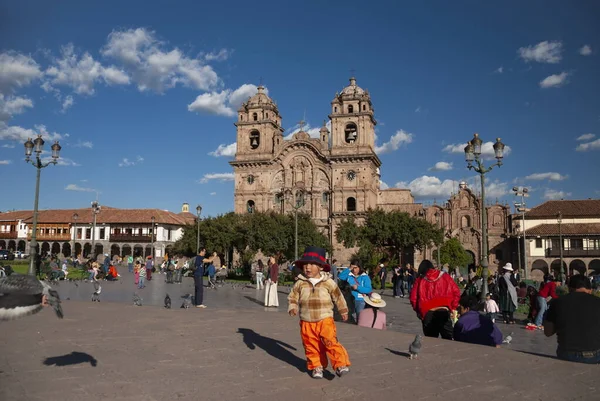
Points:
x=114 y=351
x=241 y=296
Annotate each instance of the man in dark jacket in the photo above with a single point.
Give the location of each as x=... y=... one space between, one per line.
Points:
x=199 y=278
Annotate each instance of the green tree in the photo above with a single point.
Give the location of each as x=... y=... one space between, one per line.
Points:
x=453 y=253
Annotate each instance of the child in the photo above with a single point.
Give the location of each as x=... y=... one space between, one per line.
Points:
x=490 y=308
x=136 y=271
x=143 y=273
x=313 y=296
x=473 y=327
x=212 y=271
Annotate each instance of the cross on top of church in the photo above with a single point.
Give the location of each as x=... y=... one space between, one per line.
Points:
x=301 y=123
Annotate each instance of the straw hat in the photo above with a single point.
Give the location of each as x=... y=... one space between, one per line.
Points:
x=374 y=299
x=508 y=267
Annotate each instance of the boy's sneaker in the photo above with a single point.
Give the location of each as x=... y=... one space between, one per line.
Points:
x=317 y=373
x=342 y=370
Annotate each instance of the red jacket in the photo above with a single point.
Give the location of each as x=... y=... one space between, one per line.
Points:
x=548 y=290
x=436 y=289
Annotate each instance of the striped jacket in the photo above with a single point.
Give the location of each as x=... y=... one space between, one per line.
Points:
x=316 y=301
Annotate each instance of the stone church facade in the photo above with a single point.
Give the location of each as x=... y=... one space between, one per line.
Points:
x=332 y=177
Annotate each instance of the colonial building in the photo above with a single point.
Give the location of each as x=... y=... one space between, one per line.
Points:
x=575 y=223
x=337 y=175
x=117 y=231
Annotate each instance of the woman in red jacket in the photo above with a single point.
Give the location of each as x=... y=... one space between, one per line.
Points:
x=434 y=296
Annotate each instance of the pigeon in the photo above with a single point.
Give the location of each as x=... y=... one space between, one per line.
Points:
x=168 y=302
x=415 y=347
x=508 y=338
x=187 y=301
x=22 y=295
x=137 y=301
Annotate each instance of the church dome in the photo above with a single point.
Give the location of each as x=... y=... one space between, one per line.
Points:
x=353 y=89
x=259 y=100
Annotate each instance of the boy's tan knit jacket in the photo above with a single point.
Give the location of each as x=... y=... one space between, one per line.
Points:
x=316 y=301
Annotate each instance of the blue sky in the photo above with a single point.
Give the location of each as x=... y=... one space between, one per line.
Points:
x=141 y=95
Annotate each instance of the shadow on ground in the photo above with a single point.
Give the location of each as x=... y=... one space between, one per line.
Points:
x=399 y=353
x=74 y=358
x=276 y=348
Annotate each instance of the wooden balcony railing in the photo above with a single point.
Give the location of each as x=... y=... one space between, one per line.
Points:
x=572 y=253
x=130 y=238
x=9 y=235
x=51 y=237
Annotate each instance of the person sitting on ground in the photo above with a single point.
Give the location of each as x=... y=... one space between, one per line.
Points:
x=112 y=273
x=372 y=316
x=575 y=319
x=473 y=327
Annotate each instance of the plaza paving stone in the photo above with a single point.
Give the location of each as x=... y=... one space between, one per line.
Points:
x=237 y=349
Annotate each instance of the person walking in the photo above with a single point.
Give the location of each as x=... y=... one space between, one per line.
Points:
x=149 y=268
x=271 y=297
x=260 y=267
x=142 y=274
x=199 y=278
x=130 y=263
x=434 y=297
x=508 y=294
x=382 y=274
x=398 y=281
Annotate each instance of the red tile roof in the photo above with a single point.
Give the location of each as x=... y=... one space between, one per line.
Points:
x=568 y=208
x=107 y=215
x=565 y=229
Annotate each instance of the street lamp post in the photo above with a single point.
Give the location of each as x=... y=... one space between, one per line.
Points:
x=95 y=210
x=518 y=244
x=561 y=272
x=299 y=195
x=437 y=220
x=473 y=154
x=521 y=207
x=73 y=253
x=198 y=211
x=30 y=147
x=152 y=238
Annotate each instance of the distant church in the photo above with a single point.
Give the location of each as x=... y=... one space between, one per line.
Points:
x=334 y=176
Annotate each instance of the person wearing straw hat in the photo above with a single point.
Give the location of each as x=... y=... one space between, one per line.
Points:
x=372 y=316
x=312 y=297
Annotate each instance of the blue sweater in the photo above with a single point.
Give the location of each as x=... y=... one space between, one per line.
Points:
x=363 y=281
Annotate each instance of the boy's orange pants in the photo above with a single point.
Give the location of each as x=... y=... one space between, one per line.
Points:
x=320 y=341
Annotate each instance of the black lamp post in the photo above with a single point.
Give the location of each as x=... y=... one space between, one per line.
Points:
x=561 y=272
x=522 y=208
x=152 y=238
x=95 y=210
x=473 y=155
x=198 y=211
x=37 y=146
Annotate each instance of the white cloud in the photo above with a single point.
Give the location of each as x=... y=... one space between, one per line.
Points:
x=212 y=103
x=496 y=189
x=586 y=137
x=221 y=55
x=553 y=194
x=213 y=193
x=383 y=185
x=499 y=70
x=225 y=150
x=224 y=103
x=84 y=144
x=487 y=149
x=153 y=66
x=555 y=80
x=9 y=145
x=313 y=132
x=67 y=103
x=399 y=138
x=17 y=70
x=19 y=134
x=428 y=187
x=543 y=52
x=547 y=176
x=222 y=177
x=418 y=109
x=12 y=105
x=127 y=163
x=586 y=50
x=441 y=166
x=5 y=162
x=584 y=147
x=114 y=76
x=75 y=187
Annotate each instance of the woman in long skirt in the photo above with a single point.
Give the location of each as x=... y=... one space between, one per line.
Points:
x=271 y=298
x=508 y=294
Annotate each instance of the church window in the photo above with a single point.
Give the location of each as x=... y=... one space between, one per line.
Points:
x=254 y=139
x=255 y=116
x=241 y=117
x=350 y=108
x=325 y=198
x=350 y=133
x=351 y=204
x=335 y=109
x=250 y=206
x=267 y=115
x=364 y=107
x=497 y=220
x=465 y=221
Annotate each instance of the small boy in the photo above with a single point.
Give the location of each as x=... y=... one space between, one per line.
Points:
x=490 y=308
x=473 y=327
x=313 y=296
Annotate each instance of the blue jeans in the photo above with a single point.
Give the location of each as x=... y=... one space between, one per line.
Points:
x=399 y=288
x=91 y=276
x=141 y=282
x=130 y=267
x=543 y=307
x=359 y=305
x=592 y=357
